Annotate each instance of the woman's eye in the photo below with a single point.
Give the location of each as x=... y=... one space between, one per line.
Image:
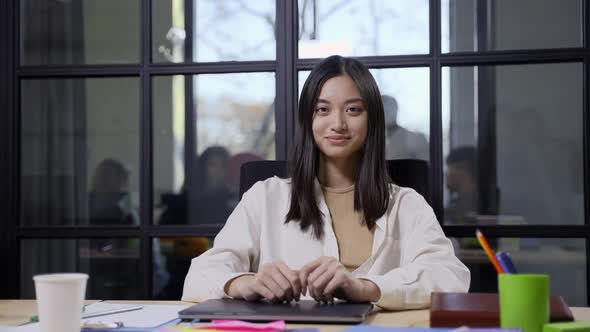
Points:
x=322 y=110
x=355 y=109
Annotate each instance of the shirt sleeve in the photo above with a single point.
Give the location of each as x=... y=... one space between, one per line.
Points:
x=235 y=250
x=428 y=262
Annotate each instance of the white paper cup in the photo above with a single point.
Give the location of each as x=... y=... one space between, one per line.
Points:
x=60 y=299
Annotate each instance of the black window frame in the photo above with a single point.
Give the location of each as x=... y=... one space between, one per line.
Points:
x=286 y=66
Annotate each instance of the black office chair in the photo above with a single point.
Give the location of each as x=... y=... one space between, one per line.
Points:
x=411 y=173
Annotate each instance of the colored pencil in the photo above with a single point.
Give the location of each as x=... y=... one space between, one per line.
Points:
x=486 y=247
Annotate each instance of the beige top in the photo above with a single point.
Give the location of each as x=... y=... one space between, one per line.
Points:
x=355 y=240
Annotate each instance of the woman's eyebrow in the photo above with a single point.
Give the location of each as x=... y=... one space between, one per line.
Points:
x=348 y=101
x=354 y=100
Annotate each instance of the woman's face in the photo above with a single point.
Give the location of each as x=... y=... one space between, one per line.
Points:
x=340 y=119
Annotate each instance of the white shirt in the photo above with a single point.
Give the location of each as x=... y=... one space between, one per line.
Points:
x=410 y=259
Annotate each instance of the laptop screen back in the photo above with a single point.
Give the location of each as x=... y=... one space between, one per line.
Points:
x=303 y=311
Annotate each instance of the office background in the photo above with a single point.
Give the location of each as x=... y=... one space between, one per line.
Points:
x=124 y=123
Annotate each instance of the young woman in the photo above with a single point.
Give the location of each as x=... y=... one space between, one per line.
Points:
x=338 y=228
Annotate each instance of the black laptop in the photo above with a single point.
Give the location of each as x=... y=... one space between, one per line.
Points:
x=304 y=311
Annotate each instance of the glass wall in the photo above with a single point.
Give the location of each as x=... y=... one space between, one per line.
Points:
x=80 y=152
x=361 y=28
x=513 y=145
x=217 y=32
x=79 y=32
x=234 y=122
x=171 y=257
x=134 y=117
x=112 y=264
x=470 y=26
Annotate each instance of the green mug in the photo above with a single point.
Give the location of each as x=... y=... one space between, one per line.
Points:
x=524 y=301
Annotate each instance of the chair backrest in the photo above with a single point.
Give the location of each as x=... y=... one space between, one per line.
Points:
x=411 y=173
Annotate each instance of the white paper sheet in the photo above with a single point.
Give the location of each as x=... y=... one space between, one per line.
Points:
x=151 y=315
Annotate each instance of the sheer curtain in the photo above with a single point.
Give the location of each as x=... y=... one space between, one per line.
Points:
x=52 y=117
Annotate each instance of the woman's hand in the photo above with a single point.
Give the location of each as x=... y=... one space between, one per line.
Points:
x=274 y=281
x=326 y=278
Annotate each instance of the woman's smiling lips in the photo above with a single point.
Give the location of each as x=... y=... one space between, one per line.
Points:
x=338 y=139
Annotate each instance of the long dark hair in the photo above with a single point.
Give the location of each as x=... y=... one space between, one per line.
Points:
x=371 y=191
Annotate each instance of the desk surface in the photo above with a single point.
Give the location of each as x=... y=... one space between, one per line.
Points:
x=17 y=312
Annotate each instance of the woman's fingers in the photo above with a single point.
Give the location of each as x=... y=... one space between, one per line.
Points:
x=277 y=291
x=336 y=282
x=292 y=277
x=285 y=291
x=280 y=280
x=321 y=278
x=256 y=291
x=318 y=283
x=306 y=270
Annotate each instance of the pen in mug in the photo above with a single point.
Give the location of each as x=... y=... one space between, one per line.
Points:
x=505 y=262
x=486 y=247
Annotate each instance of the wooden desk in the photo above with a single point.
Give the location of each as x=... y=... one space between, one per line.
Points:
x=17 y=312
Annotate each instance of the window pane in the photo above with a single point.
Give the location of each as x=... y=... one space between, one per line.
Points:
x=564 y=260
x=80 y=152
x=406 y=101
x=234 y=123
x=469 y=25
x=358 y=28
x=169 y=140
x=79 y=32
x=513 y=144
x=172 y=258
x=219 y=30
x=112 y=264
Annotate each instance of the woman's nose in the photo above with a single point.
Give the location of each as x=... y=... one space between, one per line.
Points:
x=339 y=121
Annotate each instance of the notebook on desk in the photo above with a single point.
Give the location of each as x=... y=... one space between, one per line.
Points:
x=304 y=311
x=481 y=310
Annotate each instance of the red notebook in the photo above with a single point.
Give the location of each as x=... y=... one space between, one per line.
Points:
x=481 y=310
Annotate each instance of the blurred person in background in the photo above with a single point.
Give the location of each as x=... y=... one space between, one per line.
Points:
x=110 y=198
x=401 y=143
x=461 y=183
